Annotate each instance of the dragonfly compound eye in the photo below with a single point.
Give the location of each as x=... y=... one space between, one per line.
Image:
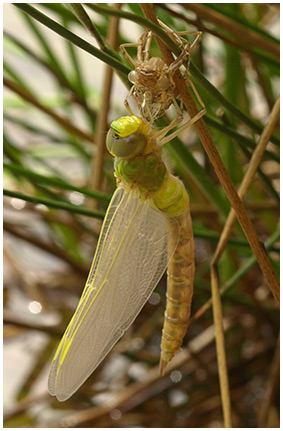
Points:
x=125 y=147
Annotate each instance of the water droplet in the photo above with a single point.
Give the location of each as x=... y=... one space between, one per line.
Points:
x=76 y=198
x=18 y=204
x=115 y=414
x=176 y=376
x=35 y=307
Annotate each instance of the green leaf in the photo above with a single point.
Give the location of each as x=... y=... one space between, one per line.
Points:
x=76 y=40
x=55 y=182
x=54 y=204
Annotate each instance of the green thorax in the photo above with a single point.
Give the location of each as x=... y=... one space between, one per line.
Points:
x=145 y=172
x=138 y=165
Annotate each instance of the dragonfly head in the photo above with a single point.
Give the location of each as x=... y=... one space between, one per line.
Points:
x=127 y=137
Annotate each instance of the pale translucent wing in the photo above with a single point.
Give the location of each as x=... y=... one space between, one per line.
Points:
x=131 y=258
x=106 y=230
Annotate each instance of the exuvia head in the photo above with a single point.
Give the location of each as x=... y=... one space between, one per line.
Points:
x=127 y=137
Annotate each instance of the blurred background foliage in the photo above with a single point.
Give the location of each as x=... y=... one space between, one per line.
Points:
x=55 y=59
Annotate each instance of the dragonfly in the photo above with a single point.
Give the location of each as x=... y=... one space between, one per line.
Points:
x=147 y=228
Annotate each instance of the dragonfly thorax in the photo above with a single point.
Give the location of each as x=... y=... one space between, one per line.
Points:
x=146 y=173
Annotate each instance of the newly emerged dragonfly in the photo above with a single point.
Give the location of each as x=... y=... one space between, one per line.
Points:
x=147 y=226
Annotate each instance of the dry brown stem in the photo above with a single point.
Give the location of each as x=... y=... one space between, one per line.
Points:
x=244 y=34
x=244 y=187
x=220 y=348
x=102 y=123
x=271 y=385
x=234 y=41
x=9 y=318
x=207 y=209
x=25 y=405
x=262 y=81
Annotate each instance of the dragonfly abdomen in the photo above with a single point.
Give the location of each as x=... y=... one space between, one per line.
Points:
x=180 y=280
x=172 y=197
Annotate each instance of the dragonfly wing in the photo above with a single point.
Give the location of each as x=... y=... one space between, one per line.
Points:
x=130 y=259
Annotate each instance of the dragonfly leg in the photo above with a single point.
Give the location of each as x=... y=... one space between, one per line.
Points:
x=174 y=123
x=173 y=34
x=164 y=139
x=185 y=126
x=145 y=56
x=126 y=103
x=139 y=45
x=181 y=42
x=143 y=47
x=194 y=44
x=190 y=82
x=177 y=63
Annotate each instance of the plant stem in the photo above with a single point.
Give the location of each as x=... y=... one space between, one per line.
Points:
x=55 y=182
x=246 y=35
x=97 y=164
x=54 y=204
x=246 y=182
x=236 y=277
